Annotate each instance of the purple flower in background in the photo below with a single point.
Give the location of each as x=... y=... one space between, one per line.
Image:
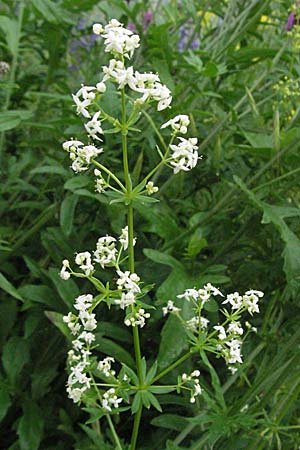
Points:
x=290 y=22
x=147 y=19
x=131 y=26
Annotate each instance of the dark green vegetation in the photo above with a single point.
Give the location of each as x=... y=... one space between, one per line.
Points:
x=233 y=221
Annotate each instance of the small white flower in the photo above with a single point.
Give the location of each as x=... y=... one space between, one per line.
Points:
x=105 y=367
x=189 y=294
x=101 y=87
x=126 y=300
x=64 y=274
x=84 y=261
x=150 y=188
x=235 y=300
x=222 y=333
x=178 y=124
x=93 y=127
x=128 y=281
x=98 y=28
x=124 y=238
x=170 y=308
x=106 y=252
x=235 y=328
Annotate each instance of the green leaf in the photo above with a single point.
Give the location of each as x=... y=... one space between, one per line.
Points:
x=67 y=212
x=15 y=355
x=52 y=12
x=173 y=342
x=68 y=290
x=30 y=427
x=153 y=401
x=162 y=258
x=9 y=288
x=151 y=373
x=78 y=182
x=170 y=421
x=5 y=401
x=137 y=402
x=95 y=413
x=11 y=119
x=291 y=252
x=58 y=170
x=10 y=29
x=57 y=319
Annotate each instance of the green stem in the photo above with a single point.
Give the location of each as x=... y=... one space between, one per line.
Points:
x=136 y=425
x=136 y=339
x=110 y=422
x=110 y=174
x=171 y=367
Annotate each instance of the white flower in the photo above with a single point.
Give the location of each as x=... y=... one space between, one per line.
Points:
x=189 y=294
x=106 y=252
x=124 y=238
x=213 y=290
x=251 y=303
x=178 y=123
x=75 y=394
x=84 y=261
x=118 y=40
x=87 y=337
x=137 y=319
x=128 y=281
x=105 y=367
x=170 y=308
x=98 y=28
x=88 y=320
x=222 y=332
x=64 y=274
x=83 y=302
x=235 y=300
x=110 y=398
x=194 y=323
x=93 y=127
x=81 y=106
x=235 y=328
x=101 y=87
x=185 y=155
x=150 y=188
x=234 y=355
x=126 y=300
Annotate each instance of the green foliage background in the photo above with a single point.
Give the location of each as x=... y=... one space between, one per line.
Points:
x=233 y=221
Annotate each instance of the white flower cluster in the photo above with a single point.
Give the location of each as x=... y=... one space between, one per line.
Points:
x=110 y=399
x=192 y=379
x=185 y=155
x=150 y=188
x=229 y=340
x=78 y=357
x=106 y=255
x=147 y=84
x=124 y=238
x=170 y=308
x=200 y=295
x=196 y=323
x=81 y=154
x=248 y=301
x=106 y=252
x=104 y=366
x=118 y=40
x=137 y=318
x=178 y=124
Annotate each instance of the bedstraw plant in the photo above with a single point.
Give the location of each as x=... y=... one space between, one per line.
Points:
x=103 y=387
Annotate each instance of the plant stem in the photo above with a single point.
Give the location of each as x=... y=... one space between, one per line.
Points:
x=136 y=425
x=136 y=339
x=171 y=367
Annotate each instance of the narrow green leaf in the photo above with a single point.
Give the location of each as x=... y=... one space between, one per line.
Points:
x=67 y=212
x=15 y=355
x=30 y=427
x=9 y=288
